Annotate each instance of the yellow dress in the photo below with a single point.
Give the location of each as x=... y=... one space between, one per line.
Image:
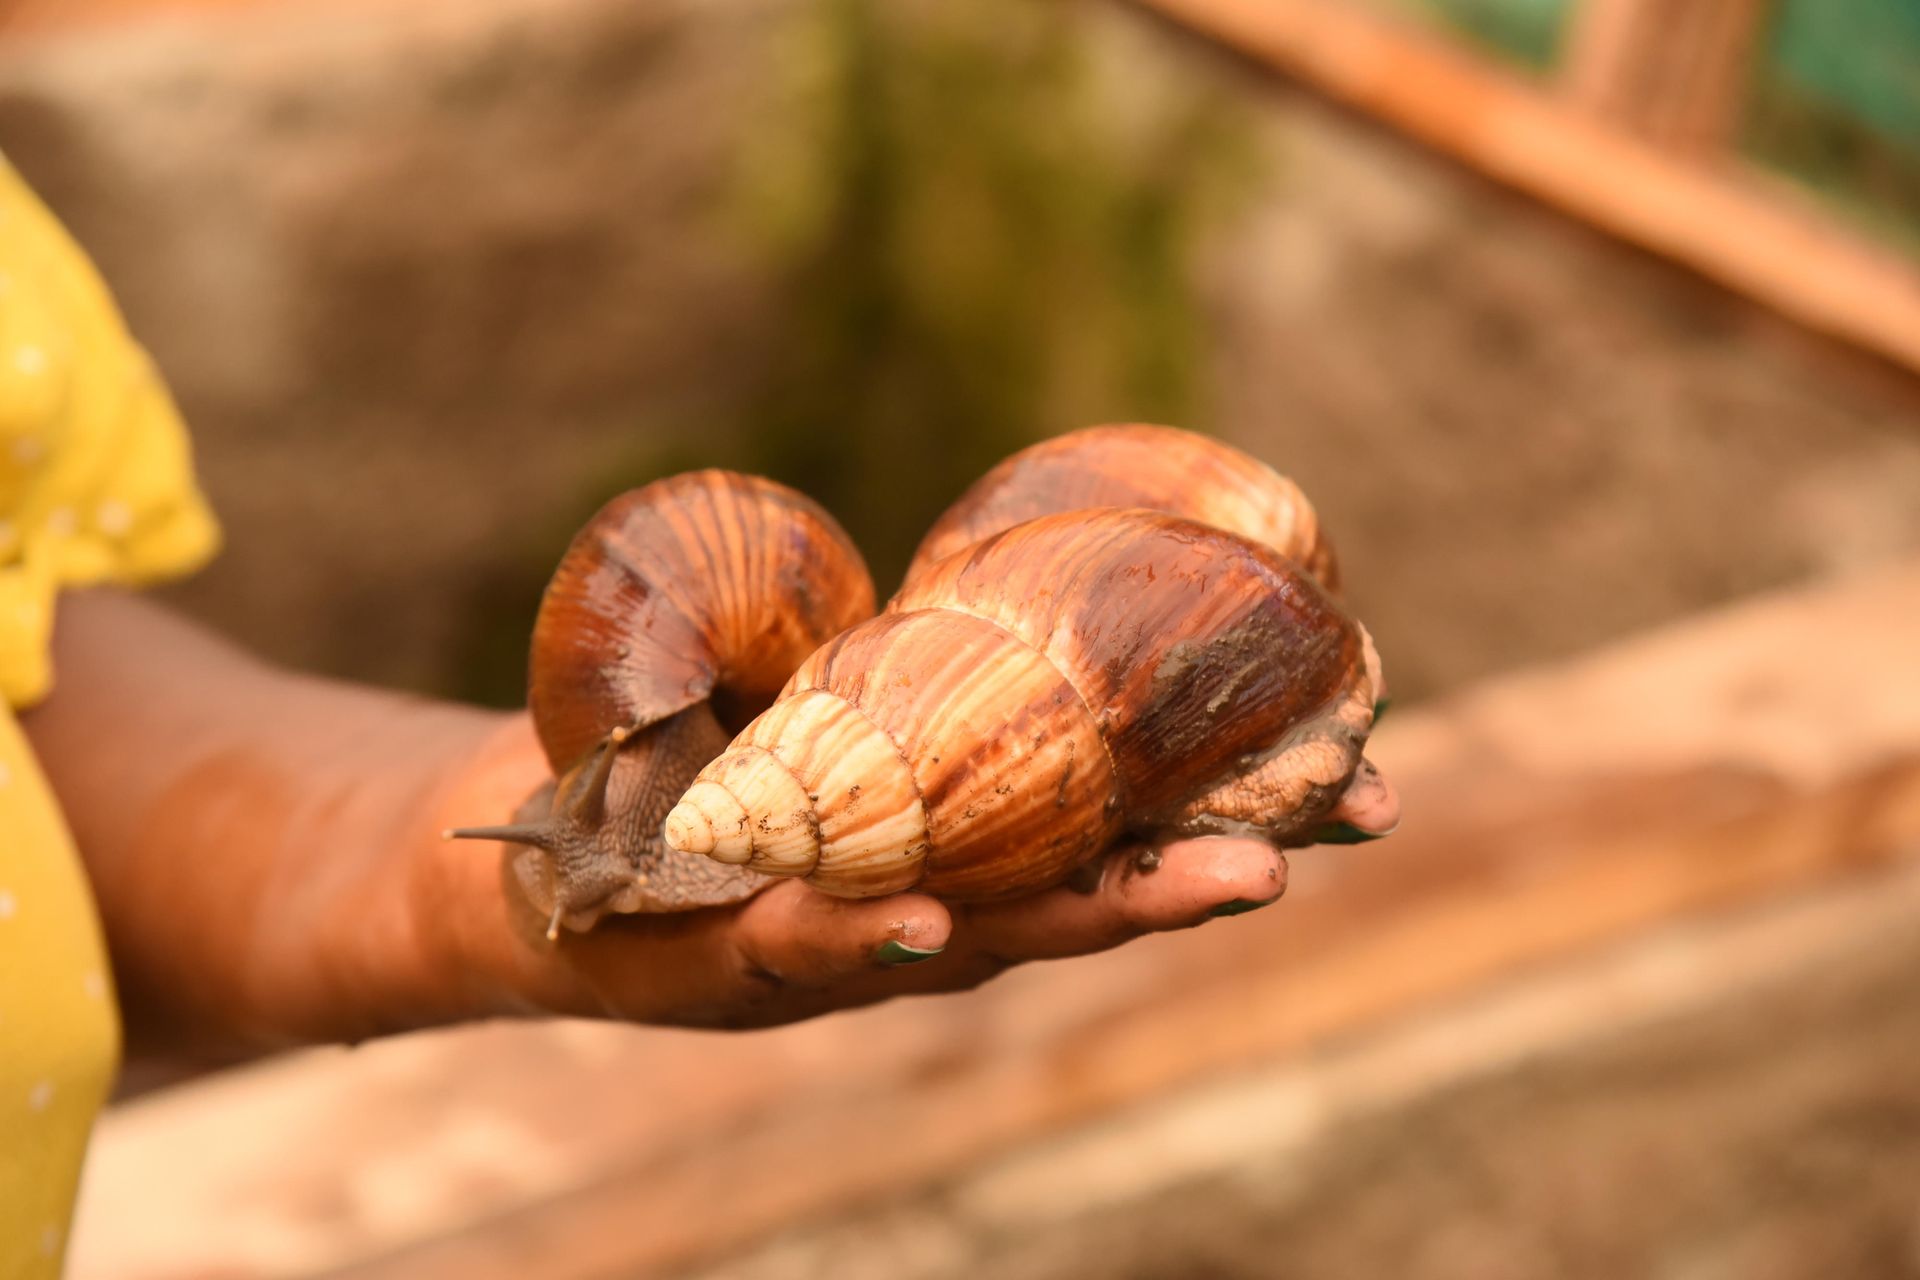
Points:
x=96 y=485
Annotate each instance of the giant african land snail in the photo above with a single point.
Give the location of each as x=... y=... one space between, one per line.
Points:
x=1056 y=672
x=676 y=613
x=1042 y=685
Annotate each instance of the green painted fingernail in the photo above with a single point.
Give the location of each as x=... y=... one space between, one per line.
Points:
x=1380 y=708
x=1344 y=833
x=1240 y=907
x=894 y=954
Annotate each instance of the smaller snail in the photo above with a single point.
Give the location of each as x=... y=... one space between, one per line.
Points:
x=1137 y=465
x=1029 y=697
x=675 y=615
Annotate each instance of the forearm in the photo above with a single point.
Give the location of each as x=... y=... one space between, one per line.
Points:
x=264 y=846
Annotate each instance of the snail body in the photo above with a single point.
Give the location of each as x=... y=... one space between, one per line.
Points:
x=677 y=612
x=1023 y=702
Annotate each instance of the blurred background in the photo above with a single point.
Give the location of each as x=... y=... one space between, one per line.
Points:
x=1592 y=327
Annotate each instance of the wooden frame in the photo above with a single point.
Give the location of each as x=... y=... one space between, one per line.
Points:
x=1673 y=74
x=1728 y=224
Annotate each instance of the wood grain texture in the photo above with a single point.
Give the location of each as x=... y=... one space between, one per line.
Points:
x=24 y=18
x=1747 y=754
x=1675 y=75
x=1727 y=224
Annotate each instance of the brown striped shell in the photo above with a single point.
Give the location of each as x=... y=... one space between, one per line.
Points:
x=1137 y=465
x=700 y=583
x=679 y=606
x=1024 y=702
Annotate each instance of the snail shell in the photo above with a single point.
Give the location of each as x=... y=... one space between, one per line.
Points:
x=680 y=608
x=703 y=584
x=1137 y=465
x=1022 y=703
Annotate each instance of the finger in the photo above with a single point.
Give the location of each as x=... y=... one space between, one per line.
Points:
x=1368 y=809
x=1195 y=880
x=739 y=965
x=795 y=936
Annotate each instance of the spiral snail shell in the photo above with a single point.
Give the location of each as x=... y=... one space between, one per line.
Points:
x=1137 y=465
x=676 y=613
x=1028 y=698
x=1126 y=629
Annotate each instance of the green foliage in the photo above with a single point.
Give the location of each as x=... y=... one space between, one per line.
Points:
x=1860 y=55
x=1836 y=104
x=1527 y=31
x=982 y=241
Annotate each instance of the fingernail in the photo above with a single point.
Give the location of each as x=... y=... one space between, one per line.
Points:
x=893 y=954
x=1380 y=708
x=1240 y=907
x=1345 y=833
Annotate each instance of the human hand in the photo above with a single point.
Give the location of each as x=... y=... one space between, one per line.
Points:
x=265 y=852
x=791 y=952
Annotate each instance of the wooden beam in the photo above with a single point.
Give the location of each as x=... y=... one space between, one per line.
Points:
x=1733 y=758
x=1674 y=74
x=22 y=18
x=1792 y=995
x=1754 y=237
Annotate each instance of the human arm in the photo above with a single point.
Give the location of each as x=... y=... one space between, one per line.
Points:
x=264 y=849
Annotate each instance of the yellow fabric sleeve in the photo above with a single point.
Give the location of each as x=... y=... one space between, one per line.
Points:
x=96 y=486
x=59 y=1028
x=96 y=478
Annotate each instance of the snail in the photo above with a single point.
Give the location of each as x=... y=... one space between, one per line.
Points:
x=1137 y=465
x=1028 y=698
x=675 y=615
x=1167 y=469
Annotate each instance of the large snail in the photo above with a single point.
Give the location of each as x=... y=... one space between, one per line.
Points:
x=1123 y=629
x=675 y=615
x=1033 y=694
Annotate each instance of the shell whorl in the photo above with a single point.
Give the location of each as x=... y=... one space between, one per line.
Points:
x=920 y=747
x=679 y=606
x=703 y=583
x=1137 y=465
x=1019 y=704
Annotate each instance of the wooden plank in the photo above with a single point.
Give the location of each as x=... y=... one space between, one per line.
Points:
x=1706 y=993
x=24 y=21
x=21 y=18
x=1673 y=74
x=1754 y=237
x=1763 y=749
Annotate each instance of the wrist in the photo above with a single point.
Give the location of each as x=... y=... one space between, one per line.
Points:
x=482 y=949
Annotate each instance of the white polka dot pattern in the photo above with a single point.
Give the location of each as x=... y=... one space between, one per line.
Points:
x=96 y=485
